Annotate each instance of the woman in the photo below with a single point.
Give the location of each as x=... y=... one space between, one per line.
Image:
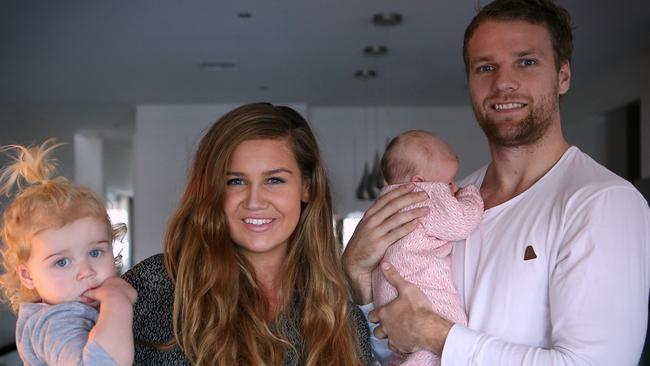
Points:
x=250 y=258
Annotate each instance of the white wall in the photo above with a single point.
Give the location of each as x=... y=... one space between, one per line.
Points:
x=118 y=166
x=89 y=162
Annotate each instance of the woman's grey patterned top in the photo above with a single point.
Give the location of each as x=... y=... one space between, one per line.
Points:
x=152 y=319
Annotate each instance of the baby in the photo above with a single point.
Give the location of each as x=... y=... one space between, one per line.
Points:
x=60 y=273
x=423 y=256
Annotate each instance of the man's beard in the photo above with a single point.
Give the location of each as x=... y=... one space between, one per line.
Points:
x=532 y=128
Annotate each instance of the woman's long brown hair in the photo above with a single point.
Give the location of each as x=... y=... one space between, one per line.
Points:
x=220 y=314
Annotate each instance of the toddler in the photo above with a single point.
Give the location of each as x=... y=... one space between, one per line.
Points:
x=423 y=256
x=60 y=275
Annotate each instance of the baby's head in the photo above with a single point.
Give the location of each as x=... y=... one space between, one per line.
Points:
x=57 y=237
x=419 y=156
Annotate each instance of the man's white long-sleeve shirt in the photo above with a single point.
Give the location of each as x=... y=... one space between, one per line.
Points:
x=558 y=275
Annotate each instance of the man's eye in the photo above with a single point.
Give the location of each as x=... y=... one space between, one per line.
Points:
x=62 y=263
x=528 y=62
x=484 y=68
x=96 y=253
x=235 y=182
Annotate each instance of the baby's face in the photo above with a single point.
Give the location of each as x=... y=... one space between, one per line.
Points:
x=444 y=170
x=66 y=262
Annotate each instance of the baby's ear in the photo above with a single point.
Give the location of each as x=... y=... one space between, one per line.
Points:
x=417 y=178
x=25 y=277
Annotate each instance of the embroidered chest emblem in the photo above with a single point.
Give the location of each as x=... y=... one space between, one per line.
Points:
x=530 y=253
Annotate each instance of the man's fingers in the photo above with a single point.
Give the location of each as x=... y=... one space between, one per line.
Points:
x=384 y=234
x=382 y=201
x=402 y=223
x=401 y=202
x=387 y=225
x=396 y=226
x=392 y=276
x=401 y=218
x=390 y=207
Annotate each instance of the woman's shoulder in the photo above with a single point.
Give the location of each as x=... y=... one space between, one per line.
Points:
x=356 y=313
x=155 y=289
x=363 y=334
x=150 y=272
x=152 y=311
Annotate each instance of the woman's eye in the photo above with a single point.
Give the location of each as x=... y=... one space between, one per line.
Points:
x=96 y=253
x=275 y=180
x=62 y=263
x=235 y=182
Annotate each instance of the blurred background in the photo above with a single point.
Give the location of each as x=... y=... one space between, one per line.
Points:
x=130 y=86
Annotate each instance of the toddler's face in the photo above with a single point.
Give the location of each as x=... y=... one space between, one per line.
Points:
x=66 y=262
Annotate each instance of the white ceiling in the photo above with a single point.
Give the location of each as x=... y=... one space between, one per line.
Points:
x=148 y=51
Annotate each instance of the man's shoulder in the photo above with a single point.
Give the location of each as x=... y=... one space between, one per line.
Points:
x=576 y=176
x=578 y=181
x=579 y=172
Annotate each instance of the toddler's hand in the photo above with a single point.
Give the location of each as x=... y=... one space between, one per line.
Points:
x=113 y=330
x=113 y=289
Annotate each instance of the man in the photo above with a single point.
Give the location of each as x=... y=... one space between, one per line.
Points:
x=558 y=271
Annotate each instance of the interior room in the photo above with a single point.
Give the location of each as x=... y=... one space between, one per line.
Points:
x=130 y=87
